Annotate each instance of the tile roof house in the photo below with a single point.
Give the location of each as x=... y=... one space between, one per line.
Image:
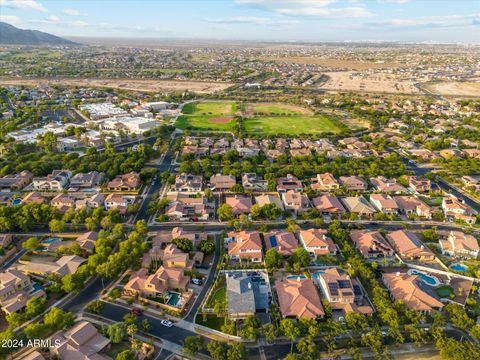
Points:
x=171 y=256
x=358 y=205
x=383 y=184
x=15 y=290
x=57 y=180
x=117 y=201
x=289 y=182
x=165 y=278
x=299 y=298
x=86 y=180
x=353 y=183
x=185 y=211
x=87 y=241
x=329 y=205
x=125 y=182
x=460 y=244
x=252 y=182
x=456 y=209
x=162 y=238
x=316 y=242
x=265 y=199
x=418 y=184
x=410 y=290
x=245 y=245
x=83 y=341
x=63 y=202
x=408 y=245
x=295 y=201
x=325 y=182
x=371 y=244
x=240 y=204
x=413 y=205
x=34 y=197
x=342 y=292
x=283 y=242
x=384 y=203
x=240 y=296
x=67 y=264
x=188 y=183
x=220 y=182
x=16 y=182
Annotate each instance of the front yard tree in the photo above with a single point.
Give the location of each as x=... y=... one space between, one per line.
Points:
x=237 y=352
x=269 y=332
x=117 y=332
x=290 y=329
x=301 y=257
x=58 y=319
x=192 y=345
x=273 y=260
x=31 y=244
x=225 y=212
x=206 y=246
x=218 y=350
x=183 y=244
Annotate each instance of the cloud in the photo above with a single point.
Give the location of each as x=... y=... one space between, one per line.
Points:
x=254 y=20
x=79 y=24
x=23 y=5
x=11 y=19
x=49 y=20
x=309 y=8
x=71 y=12
x=427 y=22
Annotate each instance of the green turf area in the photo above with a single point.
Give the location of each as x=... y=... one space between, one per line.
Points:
x=277 y=109
x=444 y=291
x=212 y=321
x=219 y=295
x=115 y=349
x=208 y=116
x=292 y=125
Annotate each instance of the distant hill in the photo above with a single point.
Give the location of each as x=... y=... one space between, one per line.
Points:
x=14 y=36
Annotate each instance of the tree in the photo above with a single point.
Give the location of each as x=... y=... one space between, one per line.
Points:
x=225 y=212
x=269 y=332
x=72 y=282
x=183 y=244
x=255 y=211
x=218 y=350
x=374 y=341
x=308 y=348
x=58 y=319
x=273 y=260
x=302 y=257
x=430 y=235
x=418 y=335
x=95 y=306
x=31 y=244
x=250 y=328
x=357 y=322
x=130 y=318
x=35 y=330
x=132 y=330
x=206 y=246
x=117 y=332
x=290 y=329
x=192 y=345
x=35 y=306
x=237 y=352
x=56 y=225
x=126 y=355
x=115 y=293
x=292 y=225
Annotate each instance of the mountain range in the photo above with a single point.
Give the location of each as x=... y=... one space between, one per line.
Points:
x=12 y=35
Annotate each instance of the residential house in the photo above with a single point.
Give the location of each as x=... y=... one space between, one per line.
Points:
x=358 y=205
x=188 y=183
x=289 y=182
x=411 y=290
x=342 y=292
x=34 y=197
x=16 y=182
x=316 y=242
x=15 y=290
x=283 y=242
x=420 y=185
x=94 y=201
x=329 y=205
x=353 y=183
x=184 y=207
x=245 y=245
x=371 y=244
x=83 y=341
x=385 y=185
x=252 y=182
x=86 y=180
x=222 y=183
x=171 y=256
x=384 y=203
x=117 y=201
x=67 y=264
x=125 y=182
x=325 y=182
x=299 y=299
x=455 y=209
x=472 y=182
x=460 y=244
x=240 y=296
x=154 y=285
x=87 y=241
x=412 y=205
x=294 y=201
x=240 y=204
x=409 y=246
x=63 y=202
x=265 y=199
x=57 y=180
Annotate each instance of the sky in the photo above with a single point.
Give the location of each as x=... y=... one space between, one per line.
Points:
x=261 y=20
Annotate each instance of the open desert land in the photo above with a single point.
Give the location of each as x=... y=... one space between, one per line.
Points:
x=454 y=88
x=145 y=85
x=208 y=116
x=275 y=109
x=353 y=81
x=292 y=125
x=336 y=63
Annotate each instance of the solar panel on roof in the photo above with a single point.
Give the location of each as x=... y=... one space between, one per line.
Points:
x=357 y=290
x=343 y=284
x=333 y=288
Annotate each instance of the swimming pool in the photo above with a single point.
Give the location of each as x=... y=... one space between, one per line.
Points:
x=51 y=240
x=317 y=274
x=173 y=299
x=427 y=279
x=36 y=287
x=296 y=277
x=459 y=267
x=16 y=202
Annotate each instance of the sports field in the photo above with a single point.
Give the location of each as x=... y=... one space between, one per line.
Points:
x=292 y=125
x=267 y=109
x=208 y=116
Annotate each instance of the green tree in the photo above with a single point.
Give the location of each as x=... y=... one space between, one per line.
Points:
x=35 y=330
x=237 y=351
x=192 y=345
x=206 y=246
x=31 y=244
x=35 y=306
x=218 y=350
x=225 y=212
x=117 y=332
x=58 y=319
x=273 y=260
x=126 y=355
x=301 y=257
x=290 y=329
x=183 y=244
x=269 y=332
x=250 y=328
x=95 y=306
x=56 y=225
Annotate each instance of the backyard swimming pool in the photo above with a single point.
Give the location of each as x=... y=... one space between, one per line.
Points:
x=317 y=274
x=427 y=279
x=16 y=202
x=51 y=240
x=173 y=299
x=36 y=287
x=296 y=277
x=459 y=267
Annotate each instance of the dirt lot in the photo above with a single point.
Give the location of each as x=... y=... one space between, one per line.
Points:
x=127 y=84
x=337 y=63
x=455 y=88
x=351 y=81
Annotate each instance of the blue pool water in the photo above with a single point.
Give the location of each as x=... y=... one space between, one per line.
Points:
x=51 y=240
x=428 y=279
x=36 y=287
x=459 y=267
x=317 y=274
x=16 y=202
x=173 y=300
x=296 y=276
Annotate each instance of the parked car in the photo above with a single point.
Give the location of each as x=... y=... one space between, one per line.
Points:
x=166 y=323
x=197 y=281
x=137 y=312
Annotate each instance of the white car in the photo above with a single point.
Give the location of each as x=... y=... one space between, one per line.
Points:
x=166 y=323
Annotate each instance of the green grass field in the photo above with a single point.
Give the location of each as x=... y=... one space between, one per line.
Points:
x=208 y=116
x=277 y=109
x=292 y=125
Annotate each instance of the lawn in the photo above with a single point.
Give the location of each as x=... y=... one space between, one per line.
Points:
x=117 y=348
x=208 y=116
x=292 y=125
x=219 y=295
x=444 y=291
x=277 y=109
x=213 y=322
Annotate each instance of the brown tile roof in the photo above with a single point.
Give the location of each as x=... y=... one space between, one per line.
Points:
x=299 y=298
